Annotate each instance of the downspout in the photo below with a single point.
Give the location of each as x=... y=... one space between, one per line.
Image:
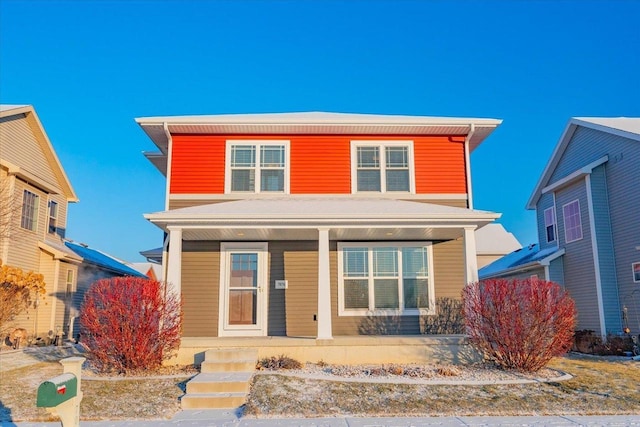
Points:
x=165 y=126
x=467 y=140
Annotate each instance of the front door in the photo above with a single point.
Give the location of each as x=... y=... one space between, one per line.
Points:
x=243 y=286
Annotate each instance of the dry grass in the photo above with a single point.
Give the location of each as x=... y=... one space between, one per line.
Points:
x=124 y=399
x=599 y=386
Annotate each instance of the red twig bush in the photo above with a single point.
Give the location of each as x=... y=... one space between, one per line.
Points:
x=519 y=324
x=130 y=324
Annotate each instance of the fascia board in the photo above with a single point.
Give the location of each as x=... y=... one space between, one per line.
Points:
x=575 y=176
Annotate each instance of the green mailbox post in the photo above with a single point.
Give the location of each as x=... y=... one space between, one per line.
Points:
x=61 y=395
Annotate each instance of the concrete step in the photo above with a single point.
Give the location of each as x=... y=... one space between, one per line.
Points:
x=231 y=354
x=208 y=367
x=213 y=400
x=219 y=383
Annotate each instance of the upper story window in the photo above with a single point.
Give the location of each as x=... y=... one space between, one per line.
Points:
x=550 y=224
x=572 y=221
x=382 y=166
x=384 y=278
x=29 y=216
x=257 y=167
x=53 y=216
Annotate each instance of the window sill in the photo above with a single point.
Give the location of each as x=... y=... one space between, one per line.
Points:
x=380 y=313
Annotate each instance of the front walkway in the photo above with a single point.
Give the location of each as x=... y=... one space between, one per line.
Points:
x=215 y=418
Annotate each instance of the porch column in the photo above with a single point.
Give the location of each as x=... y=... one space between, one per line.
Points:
x=174 y=264
x=324 y=286
x=470 y=255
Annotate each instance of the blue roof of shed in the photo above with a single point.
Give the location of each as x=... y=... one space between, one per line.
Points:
x=520 y=257
x=103 y=260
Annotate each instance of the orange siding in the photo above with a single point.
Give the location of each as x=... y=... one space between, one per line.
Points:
x=197 y=164
x=320 y=164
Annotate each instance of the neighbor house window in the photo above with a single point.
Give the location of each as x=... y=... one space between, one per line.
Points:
x=572 y=221
x=29 y=217
x=69 y=288
x=382 y=166
x=257 y=167
x=550 y=224
x=636 y=271
x=385 y=279
x=53 y=216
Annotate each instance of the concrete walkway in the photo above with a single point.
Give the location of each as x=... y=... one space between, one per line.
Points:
x=220 y=418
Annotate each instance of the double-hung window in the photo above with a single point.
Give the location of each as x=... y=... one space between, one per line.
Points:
x=385 y=278
x=53 y=216
x=382 y=166
x=257 y=167
x=29 y=216
x=550 y=224
x=572 y=221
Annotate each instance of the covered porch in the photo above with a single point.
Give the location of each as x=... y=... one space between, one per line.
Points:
x=257 y=226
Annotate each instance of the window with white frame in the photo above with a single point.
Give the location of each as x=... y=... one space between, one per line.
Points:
x=69 y=283
x=385 y=278
x=53 y=216
x=550 y=224
x=572 y=221
x=382 y=166
x=29 y=216
x=636 y=271
x=257 y=167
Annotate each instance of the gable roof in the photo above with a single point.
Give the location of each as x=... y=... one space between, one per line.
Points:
x=316 y=122
x=8 y=110
x=494 y=239
x=627 y=127
x=102 y=260
x=520 y=259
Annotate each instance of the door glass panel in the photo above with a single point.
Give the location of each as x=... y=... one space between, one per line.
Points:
x=243 y=292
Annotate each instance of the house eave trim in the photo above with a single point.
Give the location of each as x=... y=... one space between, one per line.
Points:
x=575 y=176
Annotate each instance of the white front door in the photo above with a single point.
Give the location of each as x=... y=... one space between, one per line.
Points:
x=243 y=289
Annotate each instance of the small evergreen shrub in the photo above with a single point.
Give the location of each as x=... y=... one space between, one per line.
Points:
x=519 y=324
x=130 y=324
x=275 y=363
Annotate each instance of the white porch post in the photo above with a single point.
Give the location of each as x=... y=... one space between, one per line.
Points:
x=470 y=255
x=174 y=264
x=324 y=286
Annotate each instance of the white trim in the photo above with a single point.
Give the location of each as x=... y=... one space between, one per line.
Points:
x=54 y=291
x=257 y=143
x=470 y=255
x=324 y=286
x=260 y=329
x=382 y=144
x=387 y=312
x=576 y=175
x=596 y=258
x=165 y=127
x=174 y=265
x=467 y=160
x=239 y=196
x=564 y=220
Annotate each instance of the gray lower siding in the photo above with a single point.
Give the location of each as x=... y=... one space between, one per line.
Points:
x=556 y=271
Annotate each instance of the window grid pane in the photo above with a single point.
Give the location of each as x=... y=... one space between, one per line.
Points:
x=29 y=210
x=397 y=157
x=572 y=221
x=272 y=156
x=386 y=294
x=243 y=180
x=368 y=157
x=385 y=262
x=356 y=262
x=356 y=294
x=243 y=156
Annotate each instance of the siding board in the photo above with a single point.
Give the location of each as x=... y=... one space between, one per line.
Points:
x=200 y=288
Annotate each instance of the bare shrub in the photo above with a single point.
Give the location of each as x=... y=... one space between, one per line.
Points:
x=130 y=324
x=18 y=290
x=519 y=324
x=275 y=363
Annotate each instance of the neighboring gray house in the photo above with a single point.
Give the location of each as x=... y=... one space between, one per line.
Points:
x=587 y=204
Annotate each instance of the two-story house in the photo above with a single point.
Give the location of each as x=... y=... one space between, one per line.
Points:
x=37 y=193
x=34 y=197
x=321 y=225
x=587 y=204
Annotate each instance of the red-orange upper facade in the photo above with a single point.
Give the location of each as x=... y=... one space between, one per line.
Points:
x=317 y=164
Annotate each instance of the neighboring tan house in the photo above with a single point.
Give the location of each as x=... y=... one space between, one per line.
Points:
x=96 y=265
x=315 y=225
x=33 y=175
x=587 y=204
x=37 y=193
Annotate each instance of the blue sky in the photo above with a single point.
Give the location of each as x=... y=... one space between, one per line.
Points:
x=91 y=67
